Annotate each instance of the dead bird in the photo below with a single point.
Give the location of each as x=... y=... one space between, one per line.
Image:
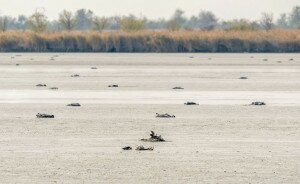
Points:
x=113 y=86
x=178 y=87
x=291 y=59
x=258 y=103
x=166 y=115
x=94 y=68
x=191 y=103
x=154 y=138
x=44 y=116
x=142 y=148
x=75 y=75
x=265 y=59
x=74 y=105
x=41 y=85
x=243 y=77
x=17 y=64
x=126 y=148
x=54 y=88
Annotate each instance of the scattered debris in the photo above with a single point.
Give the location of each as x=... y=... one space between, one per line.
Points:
x=41 y=85
x=258 y=103
x=17 y=64
x=52 y=59
x=191 y=56
x=54 y=88
x=279 y=62
x=31 y=59
x=142 y=148
x=190 y=103
x=209 y=58
x=18 y=55
x=44 y=116
x=74 y=105
x=178 y=87
x=265 y=59
x=164 y=115
x=75 y=75
x=113 y=86
x=154 y=138
x=94 y=68
x=127 y=148
x=291 y=59
x=243 y=77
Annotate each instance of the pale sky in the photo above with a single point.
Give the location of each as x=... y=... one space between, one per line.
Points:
x=224 y=9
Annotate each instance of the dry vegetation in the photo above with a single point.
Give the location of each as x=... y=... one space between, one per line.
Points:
x=152 y=41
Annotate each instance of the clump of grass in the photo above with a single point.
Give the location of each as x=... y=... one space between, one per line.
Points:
x=152 y=41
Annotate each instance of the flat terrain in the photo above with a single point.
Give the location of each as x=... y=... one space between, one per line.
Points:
x=223 y=140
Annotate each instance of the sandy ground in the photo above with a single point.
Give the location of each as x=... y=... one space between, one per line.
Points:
x=223 y=140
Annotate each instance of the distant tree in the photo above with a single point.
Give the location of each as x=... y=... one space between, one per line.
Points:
x=267 y=21
x=115 y=22
x=100 y=23
x=177 y=21
x=240 y=25
x=131 y=23
x=84 y=19
x=37 y=22
x=156 y=24
x=67 y=20
x=55 y=26
x=192 y=23
x=207 y=20
x=179 y=17
x=3 y=23
x=173 y=25
x=21 y=23
x=11 y=23
x=294 y=19
x=282 y=21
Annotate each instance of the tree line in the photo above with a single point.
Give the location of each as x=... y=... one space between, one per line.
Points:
x=86 y=20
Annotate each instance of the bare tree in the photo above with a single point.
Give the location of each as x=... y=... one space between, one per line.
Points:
x=67 y=20
x=38 y=22
x=3 y=23
x=267 y=21
x=100 y=23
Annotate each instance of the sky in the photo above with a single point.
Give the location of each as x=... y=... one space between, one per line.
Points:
x=224 y=9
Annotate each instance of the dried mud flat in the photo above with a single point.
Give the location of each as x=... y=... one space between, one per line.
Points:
x=221 y=140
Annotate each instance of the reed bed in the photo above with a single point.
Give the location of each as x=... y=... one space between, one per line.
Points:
x=152 y=41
